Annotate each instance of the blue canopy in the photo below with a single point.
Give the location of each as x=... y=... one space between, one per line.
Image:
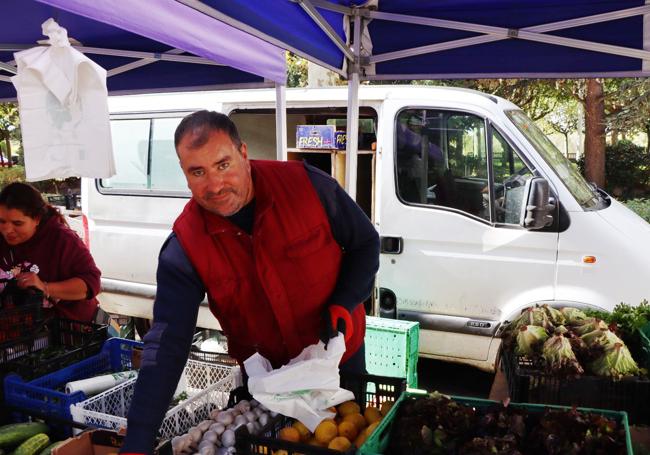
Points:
x=428 y=39
x=144 y=47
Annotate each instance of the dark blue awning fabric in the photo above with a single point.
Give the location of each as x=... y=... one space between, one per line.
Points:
x=287 y=24
x=22 y=29
x=511 y=56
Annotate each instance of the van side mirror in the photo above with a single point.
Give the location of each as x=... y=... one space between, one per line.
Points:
x=539 y=206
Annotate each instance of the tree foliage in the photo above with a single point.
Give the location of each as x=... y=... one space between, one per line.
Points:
x=631 y=107
x=564 y=119
x=9 y=127
x=296 y=71
x=627 y=170
x=537 y=97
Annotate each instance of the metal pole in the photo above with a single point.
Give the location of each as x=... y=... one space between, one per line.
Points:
x=353 y=115
x=281 y=122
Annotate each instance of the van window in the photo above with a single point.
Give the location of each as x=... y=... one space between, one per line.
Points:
x=130 y=149
x=145 y=156
x=257 y=128
x=166 y=173
x=584 y=194
x=441 y=159
x=510 y=177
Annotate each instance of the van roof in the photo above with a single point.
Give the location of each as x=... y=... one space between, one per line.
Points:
x=338 y=94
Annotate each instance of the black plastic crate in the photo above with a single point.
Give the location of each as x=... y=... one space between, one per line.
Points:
x=528 y=383
x=18 y=321
x=368 y=390
x=60 y=343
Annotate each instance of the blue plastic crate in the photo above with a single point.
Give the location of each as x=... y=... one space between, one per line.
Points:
x=45 y=395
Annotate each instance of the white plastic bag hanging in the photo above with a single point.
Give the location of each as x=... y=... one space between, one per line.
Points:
x=62 y=99
x=304 y=388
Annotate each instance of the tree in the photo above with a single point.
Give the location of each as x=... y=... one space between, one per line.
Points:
x=537 y=97
x=296 y=71
x=9 y=127
x=591 y=94
x=564 y=120
x=595 y=132
x=632 y=113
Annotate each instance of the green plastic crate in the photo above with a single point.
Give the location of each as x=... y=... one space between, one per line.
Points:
x=392 y=348
x=378 y=441
x=644 y=336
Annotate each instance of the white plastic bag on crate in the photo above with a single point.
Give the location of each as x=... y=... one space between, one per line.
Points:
x=305 y=387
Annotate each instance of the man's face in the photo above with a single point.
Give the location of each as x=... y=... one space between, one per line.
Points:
x=218 y=175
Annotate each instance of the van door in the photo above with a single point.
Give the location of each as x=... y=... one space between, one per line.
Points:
x=453 y=252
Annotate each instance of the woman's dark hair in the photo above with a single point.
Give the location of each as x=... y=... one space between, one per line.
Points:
x=201 y=123
x=27 y=199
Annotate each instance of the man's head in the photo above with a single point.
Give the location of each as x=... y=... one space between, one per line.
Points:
x=215 y=162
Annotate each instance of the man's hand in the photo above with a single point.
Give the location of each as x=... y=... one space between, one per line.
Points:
x=336 y=319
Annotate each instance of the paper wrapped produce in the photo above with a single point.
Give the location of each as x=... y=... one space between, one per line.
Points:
x=305 y=387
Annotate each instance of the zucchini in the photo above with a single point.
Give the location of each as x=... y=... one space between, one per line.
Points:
x=13 y=434
x=48 y=450
x=33 y=445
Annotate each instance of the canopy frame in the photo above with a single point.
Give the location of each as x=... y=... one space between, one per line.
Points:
x=142 y=59
x=325 y=27
x=360 y=68
x=534 y=33
x=170 y=56
x=216 y=14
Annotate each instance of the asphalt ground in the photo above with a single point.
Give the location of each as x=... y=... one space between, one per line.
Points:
x=453 y=379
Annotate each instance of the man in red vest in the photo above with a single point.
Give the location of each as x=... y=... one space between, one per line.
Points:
x=284 y=255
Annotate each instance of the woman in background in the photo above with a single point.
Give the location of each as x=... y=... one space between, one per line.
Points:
x=44 y=253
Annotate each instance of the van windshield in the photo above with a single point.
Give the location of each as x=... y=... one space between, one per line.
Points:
x=586 y=196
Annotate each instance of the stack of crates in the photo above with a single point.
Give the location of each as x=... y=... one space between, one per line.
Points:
x=392 y=348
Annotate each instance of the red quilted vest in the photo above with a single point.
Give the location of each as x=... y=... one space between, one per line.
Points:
x=269 y=289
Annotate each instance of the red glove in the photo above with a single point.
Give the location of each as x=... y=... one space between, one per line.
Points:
x=336 y=319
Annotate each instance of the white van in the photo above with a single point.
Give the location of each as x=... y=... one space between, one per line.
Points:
x=479 y=214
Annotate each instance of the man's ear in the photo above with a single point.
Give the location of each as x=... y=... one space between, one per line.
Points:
x=244 y=150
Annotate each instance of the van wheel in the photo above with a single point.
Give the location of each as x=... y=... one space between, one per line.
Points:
x=142 y=326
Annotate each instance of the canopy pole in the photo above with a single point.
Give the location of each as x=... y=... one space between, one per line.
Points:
x=281 y=122
x=352 y=134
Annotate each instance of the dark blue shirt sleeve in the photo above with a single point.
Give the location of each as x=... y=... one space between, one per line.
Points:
x=356 y=235
x=166 y=346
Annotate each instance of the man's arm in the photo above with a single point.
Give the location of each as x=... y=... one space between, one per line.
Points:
x=166 y=346
x=357 y=237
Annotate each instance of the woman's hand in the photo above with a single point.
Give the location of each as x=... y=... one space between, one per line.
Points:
x=29 y=279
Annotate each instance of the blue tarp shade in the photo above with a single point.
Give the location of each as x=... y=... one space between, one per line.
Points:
x=510 y=56
x=286 y=22
x=22 y=26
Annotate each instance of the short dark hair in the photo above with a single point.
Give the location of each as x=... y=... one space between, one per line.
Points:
x=201 y=123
